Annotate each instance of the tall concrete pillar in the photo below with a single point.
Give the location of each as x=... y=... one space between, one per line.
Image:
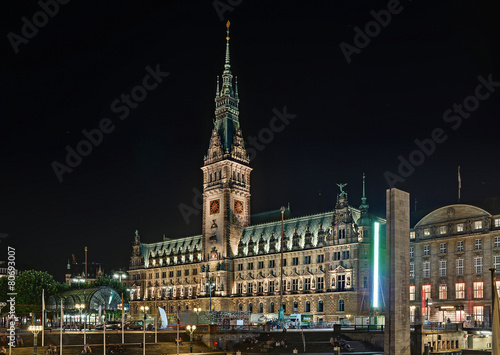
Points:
x=397 y=280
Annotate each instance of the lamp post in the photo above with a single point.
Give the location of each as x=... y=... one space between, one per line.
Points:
x=281 y=315
x=155 y=323
x=197 y=310
x=35 y=329
x=210 y=285
x=144 y=309
x=119 y=275
x=81 y=307
x=190 y=329
x=2 y=305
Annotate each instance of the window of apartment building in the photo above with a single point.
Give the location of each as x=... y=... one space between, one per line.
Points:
x=164 y=274
x=478 y=289
x=460 y=245
x=271 y=286
x=240 y=267
x=460 y=266
x=427 y=291
x=170 y=274
x=427 y=250
x=250 y=287
x=442 y=267
x=250 y=266
x=497 y=284
x=340 y=282
x=250 y=308
x=151 y=275
x=442 y=230
x=295 y=306
x=478 y=224
x=239 y=288
x=308 y=307
x=412 y=292
x=496 y=243
x=284 y=262
x=412 y=252
x=427 y=232
x=186 y=272
x=320 y=306
x=260 y=287
x=157 y=275
x=272 y=263
x=478 y=265
x=271 y=307
x=478 y=245
x=295 y=285
x=307 y=259
x=426 y=269
x=460 y=290
x=412 y=235
x=295 y=261
x=320 y=258
x=443 y=292
x=261 y=307
x=307 y=284
x=345 y=254
x=412 y=271
x=195 y=271
x=320 y=283
x=336 y=255
x=478 y=313
x=442 y=248
x=260 y=265
x=496 y=222
x=496 y=262
x=460 y=227
x=179 y=273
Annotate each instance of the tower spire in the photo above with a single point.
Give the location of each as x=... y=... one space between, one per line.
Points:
x=227 y=63
x=364 y=206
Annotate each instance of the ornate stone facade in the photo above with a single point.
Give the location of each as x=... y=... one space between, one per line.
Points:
x=236 y=265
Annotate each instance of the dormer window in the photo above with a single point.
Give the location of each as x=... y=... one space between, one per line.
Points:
x=460 y=227
x=427 y=232
x=478 y=224
x=412 y=235
x=442 y=230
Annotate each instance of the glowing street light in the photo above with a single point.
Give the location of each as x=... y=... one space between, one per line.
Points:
x=81 y=307
x=144 y=309
x=35 y=329
x=197 y=310
x=190 y=329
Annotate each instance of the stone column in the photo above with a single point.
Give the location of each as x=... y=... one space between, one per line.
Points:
x=397 y=280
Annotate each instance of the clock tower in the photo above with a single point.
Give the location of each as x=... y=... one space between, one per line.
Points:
x=226 y=175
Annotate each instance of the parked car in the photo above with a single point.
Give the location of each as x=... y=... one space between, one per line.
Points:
x=133 y=325
x=113 y=325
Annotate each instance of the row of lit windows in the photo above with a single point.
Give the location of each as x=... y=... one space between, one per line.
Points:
x=460 y=291
x=443 y=247
x=272 y=263
x=171 y=273
x=460 y=227
x=307 y=307
x=293 y=286
x=460 y=266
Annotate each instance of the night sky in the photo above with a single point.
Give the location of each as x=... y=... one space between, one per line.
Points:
x=350 y=118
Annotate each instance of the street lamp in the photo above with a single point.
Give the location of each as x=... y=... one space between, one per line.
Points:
x=197 y=310
x=210 y=286
x=190 y=329
x=119 y=275
x=144 y=309
x=81 y=307
x=35 y=329
x=2 y=305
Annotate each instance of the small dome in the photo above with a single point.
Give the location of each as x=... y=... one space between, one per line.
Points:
x=364 y=221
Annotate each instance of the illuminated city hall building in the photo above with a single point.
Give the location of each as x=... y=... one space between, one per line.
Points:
x=235 y=264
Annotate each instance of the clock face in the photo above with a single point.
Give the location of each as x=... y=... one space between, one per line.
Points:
x=238 y=207
x=214 y=206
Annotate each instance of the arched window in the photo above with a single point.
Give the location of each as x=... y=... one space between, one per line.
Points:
x=240 y=307
x=284 y=306
x=261 y=308
x=308 y=307
x=341 y=307
x=187 y=308
x=250 y=308
x=320 y=306
x=295 y=306
x=271 y=307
